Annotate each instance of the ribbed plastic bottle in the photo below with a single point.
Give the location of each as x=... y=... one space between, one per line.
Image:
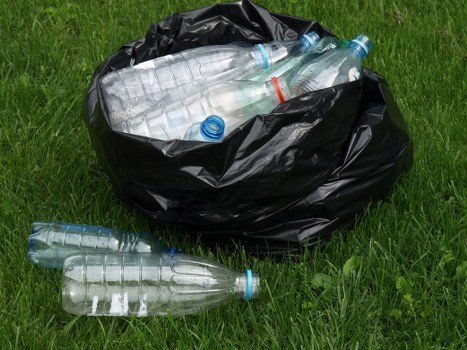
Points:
x=237 y=101
x=130 y=91
x=51 y=242
x=143 y=284
x=325 y=44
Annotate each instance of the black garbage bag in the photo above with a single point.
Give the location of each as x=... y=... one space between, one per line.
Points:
x=283 y=180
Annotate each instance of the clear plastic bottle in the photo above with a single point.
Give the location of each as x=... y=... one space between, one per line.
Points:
x=237 y=101
x=333 y=68
x=211 y=129
x=120 y=284
x=51 y=242
x=130 y=91
x=325 y=44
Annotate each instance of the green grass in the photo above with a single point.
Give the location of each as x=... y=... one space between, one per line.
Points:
x=397 y=280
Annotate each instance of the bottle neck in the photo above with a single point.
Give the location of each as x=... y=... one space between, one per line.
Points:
x=247 y=285
x=262 y=56
x=267 y=55
x=279 y=88
x=357 y=50
x=308 y=40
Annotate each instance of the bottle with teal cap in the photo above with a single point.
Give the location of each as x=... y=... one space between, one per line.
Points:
x=51 y=242
x=158 y=82
x=122 y=284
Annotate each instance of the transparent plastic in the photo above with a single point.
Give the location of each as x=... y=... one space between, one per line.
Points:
x=130 y=91
x=326 y=44
x=51 y=242
x=141 y=285
x=234 y=101
x=335 y=67
x=237 y=101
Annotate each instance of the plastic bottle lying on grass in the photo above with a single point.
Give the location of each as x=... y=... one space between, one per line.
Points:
x=120 y=284
x=51 y=242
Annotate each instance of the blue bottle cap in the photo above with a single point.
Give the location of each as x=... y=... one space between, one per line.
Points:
x=173 y=250
x=309 y=39
x=212 y=128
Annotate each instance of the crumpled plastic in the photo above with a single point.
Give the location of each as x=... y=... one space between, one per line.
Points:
x=283 y=180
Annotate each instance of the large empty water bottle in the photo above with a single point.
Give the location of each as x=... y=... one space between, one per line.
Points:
x=51 y=242
x=130 y=91
x=333 y=68
x=149 y=284
x=237 y=101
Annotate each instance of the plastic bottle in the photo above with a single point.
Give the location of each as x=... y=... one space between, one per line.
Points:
x=130 y=91
x=120 y=284
x=51 y=242
x=325 y=44
x=333 y=68
x=239 y=100
x=235 y=102
x=211 y=129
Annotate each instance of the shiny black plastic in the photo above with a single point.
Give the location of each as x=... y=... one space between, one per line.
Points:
x=281 y=181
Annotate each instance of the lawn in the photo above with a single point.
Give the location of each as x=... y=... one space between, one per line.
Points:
x=396 y=280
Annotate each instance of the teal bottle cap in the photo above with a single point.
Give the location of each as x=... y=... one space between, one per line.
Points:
x=309 y=39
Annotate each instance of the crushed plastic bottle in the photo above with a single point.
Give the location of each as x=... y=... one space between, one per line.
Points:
x=130 y=91
x=51 y=242
x=120 y=284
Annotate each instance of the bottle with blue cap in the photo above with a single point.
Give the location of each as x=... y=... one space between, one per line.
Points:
x=51 y=242
x=120 y=284
x=211 y=129
x=333 y=68
x=237 y=101
x=157 y=82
